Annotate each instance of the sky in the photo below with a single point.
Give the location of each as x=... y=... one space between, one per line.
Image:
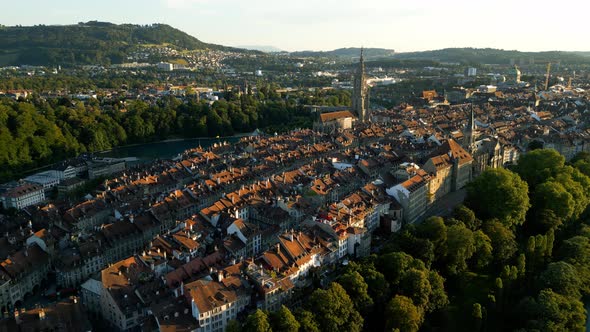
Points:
x=402 y=25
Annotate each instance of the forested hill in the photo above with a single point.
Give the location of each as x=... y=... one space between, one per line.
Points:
x=348 y=53
x=494 y=56
x=87 y=43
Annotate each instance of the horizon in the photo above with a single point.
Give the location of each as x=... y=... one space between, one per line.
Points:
x=427 y=25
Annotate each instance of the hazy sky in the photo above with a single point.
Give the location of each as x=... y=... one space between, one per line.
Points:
x=409 y=25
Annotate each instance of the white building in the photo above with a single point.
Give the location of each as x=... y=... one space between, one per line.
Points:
x=22 y=196
x=165 y=66
x=47 y=179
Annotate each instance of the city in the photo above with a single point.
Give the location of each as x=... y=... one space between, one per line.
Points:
x=166 y=184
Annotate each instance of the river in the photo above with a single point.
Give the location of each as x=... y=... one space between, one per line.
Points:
x=164 y=149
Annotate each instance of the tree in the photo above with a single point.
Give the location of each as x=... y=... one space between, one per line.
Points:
x=552 y=196
x=576 y=251
x=334 y=310
x=538 y=165
x=357 y=288
x=307 y=321
x=542 y=221
x=393 y=265
x=460 y=248
x=499 y=193
x=402 y=314
x=415 y=285
x=257 y=322
x=483 y=250
x=284 y=321
x=477 y=315
x=562 y=278
x=551 y=311
x=467 y=216
x=438 y=296
x=435 y=230
x=503 y=240
x=233 y=326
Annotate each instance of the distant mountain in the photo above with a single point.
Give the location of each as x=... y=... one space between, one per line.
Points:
x=261 y=48
x=349 y=53
x=494 y=56
x=87 y=43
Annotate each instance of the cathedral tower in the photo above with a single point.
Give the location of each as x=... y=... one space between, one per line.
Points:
x=469 y=135
x=360 y=95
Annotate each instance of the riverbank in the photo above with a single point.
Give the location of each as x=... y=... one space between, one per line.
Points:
x=166 y=149
x=182 y=139
x=146 y=152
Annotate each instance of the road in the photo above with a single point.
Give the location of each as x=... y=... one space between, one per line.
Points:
x=444 y=206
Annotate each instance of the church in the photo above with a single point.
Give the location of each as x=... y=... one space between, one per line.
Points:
x=344 y=119
x=360 y=94
x=488 y=151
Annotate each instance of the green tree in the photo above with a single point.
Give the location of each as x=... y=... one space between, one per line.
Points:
x=477 y=315
x=576 y=251
x=537 y=166
x=334 y=310
x=483 y=250
x=503 y=240
x=233 y=326
x=257 y=322
x=467 y=217
x=357 y=289
x=435 y=230
x=550 y=311
x=402 y=314
x=438 y=298
x=553 y=196
x=460 y=248
x=307 y=321
x=394 y=264
x=562 y=278
x=415 y=285
x=499 y=193
x=284 y=321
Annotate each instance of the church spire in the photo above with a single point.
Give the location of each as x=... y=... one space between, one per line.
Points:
x=469 y=134
x=472 y=119
x=360 y=98
x=362 y=60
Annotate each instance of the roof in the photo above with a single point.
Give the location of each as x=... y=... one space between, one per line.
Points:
x=451 y=149
x=208 y=294
x=326 y=117
x=22 y=190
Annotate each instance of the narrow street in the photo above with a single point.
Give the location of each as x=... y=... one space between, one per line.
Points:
x=444 y=206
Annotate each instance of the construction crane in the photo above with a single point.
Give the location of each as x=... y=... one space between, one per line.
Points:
x=547 y=78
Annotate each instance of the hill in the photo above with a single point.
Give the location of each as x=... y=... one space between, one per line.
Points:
x=349 y=53
x=87 y=43
x=493 y=56
x=262 y=48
